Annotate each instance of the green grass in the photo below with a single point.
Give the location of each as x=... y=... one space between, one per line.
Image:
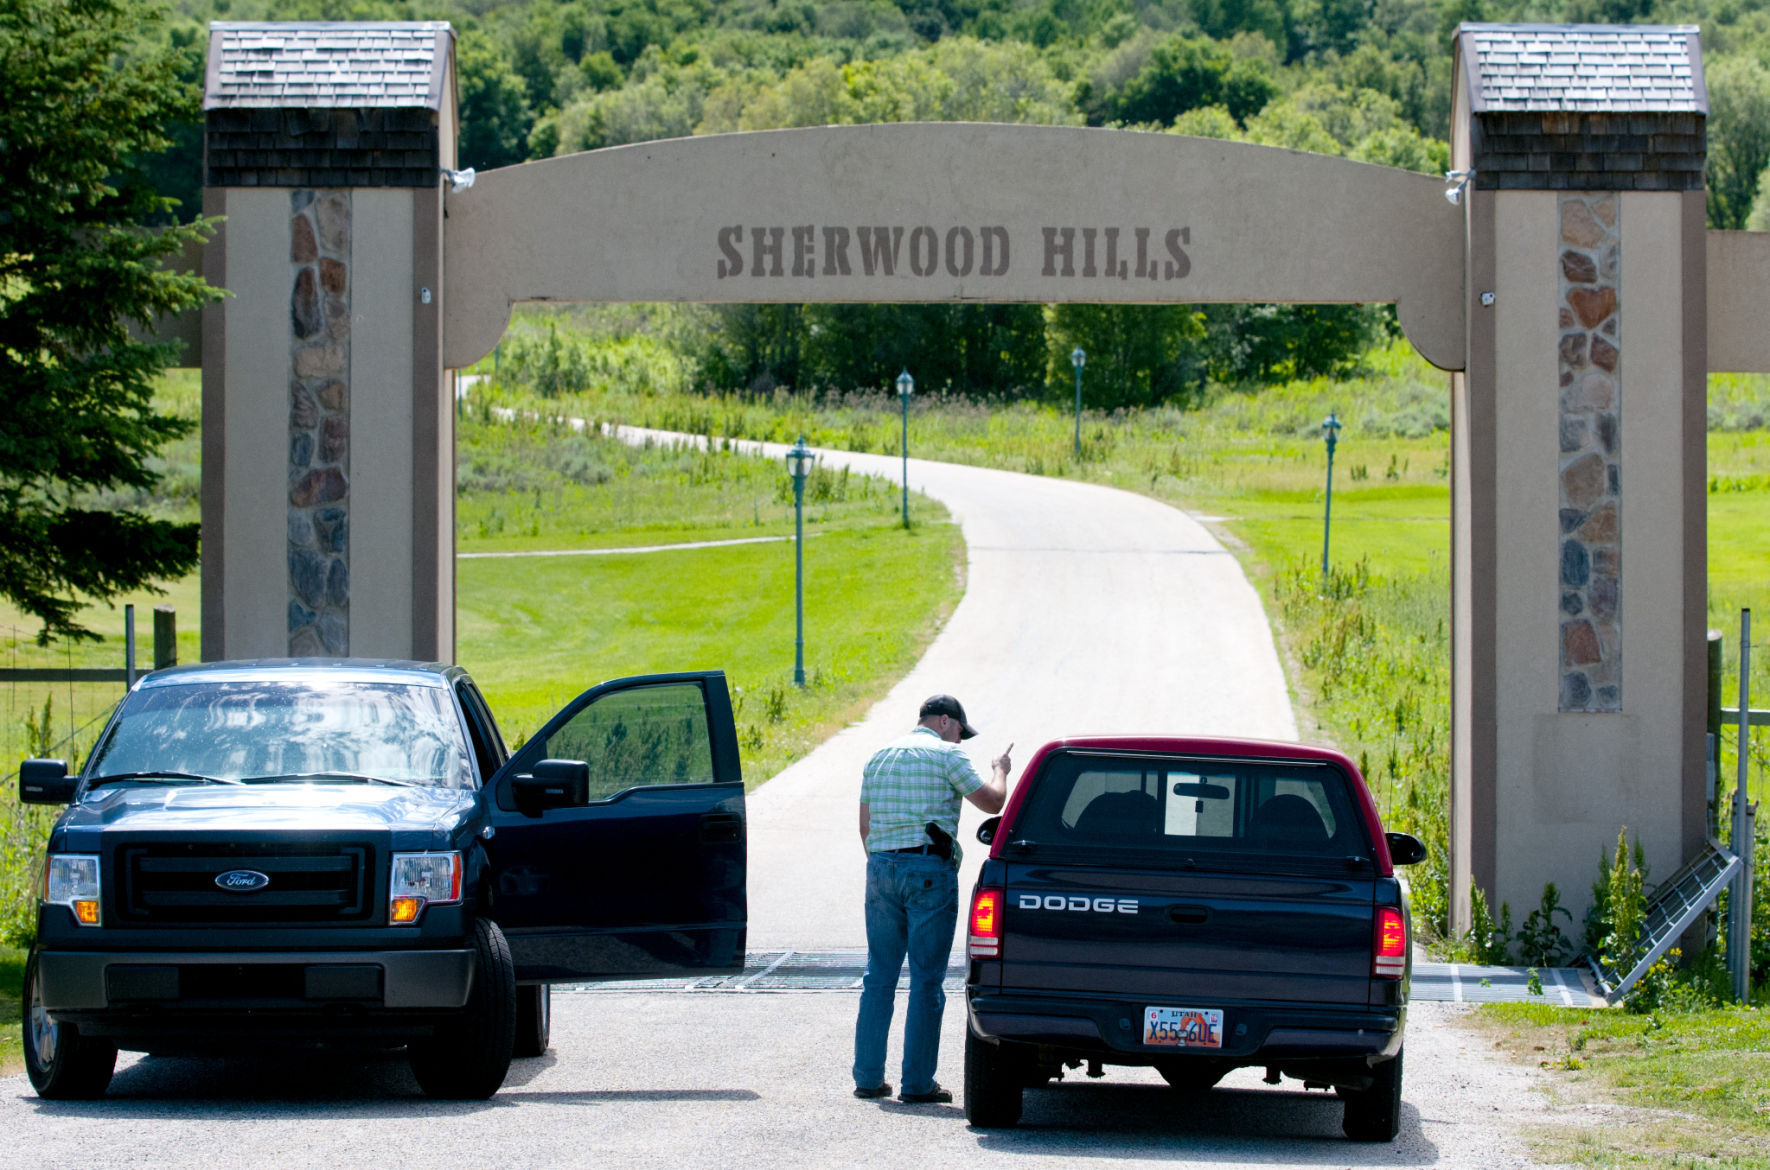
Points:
x=535 y=632
x=12 y=981
x=1696 y=1083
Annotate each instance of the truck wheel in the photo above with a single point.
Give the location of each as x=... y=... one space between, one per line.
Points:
x=992 y=1084
x=1191 y=1076
x=1374 y=1114
x=534 y=1019
x=468 y=1060
x=63 y=1065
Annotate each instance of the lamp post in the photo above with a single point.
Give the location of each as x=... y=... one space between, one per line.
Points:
x=1330 y=431
x=1078 y=359
x=798 y=466
x=906 y=386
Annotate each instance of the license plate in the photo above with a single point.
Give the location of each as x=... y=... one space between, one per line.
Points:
x=1181 y=1027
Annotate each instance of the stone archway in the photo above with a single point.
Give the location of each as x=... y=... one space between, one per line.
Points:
x=1568 y=288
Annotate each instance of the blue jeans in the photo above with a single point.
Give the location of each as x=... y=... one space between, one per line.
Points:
x=912 y=906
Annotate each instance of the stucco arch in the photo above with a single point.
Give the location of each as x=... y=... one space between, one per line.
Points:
x=1184 y=220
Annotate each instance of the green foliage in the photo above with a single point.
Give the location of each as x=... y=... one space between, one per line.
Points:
x=1365 y=658
x=496 y=118
x=76 y=271
x=1184 y=73
x=1489 y=941
x=1137 y=355
x=1540 y=940
x=1613 y=921
x=1738 y=136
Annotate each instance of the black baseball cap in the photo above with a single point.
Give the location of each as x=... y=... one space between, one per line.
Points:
x=947 y=705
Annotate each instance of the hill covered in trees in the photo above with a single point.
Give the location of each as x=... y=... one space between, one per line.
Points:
x=1364 y=79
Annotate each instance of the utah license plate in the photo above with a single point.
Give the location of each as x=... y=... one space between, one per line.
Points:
x=1181 y=1027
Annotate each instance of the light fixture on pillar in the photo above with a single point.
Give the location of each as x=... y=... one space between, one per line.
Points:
x=1454 y=182
x=459 y=180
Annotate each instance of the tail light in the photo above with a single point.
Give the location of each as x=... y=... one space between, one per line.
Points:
x=986 y=924
x=1389 y=955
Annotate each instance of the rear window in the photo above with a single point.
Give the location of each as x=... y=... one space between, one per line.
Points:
x=1254 y=811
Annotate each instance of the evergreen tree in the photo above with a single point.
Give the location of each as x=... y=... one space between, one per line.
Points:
x=77 y=271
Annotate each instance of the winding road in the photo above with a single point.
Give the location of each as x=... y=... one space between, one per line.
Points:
x=1086 y=609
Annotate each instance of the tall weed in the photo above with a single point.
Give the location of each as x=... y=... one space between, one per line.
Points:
x=1379 y=676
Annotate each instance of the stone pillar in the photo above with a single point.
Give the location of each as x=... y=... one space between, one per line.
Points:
x=1578 y=466
x=319 y=425
x=330 y=534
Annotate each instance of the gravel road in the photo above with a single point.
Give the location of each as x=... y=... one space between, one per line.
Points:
x=728 y=1079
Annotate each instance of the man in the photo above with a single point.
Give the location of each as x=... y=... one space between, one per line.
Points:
x=909 y=824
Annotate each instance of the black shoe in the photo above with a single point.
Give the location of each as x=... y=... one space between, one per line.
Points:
x=934 y=1096
x=873 y=1094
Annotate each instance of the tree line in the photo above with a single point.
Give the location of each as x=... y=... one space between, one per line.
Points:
x=102 y=136
x=1355 y=78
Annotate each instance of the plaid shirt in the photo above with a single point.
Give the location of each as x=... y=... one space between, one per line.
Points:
x=912 y=781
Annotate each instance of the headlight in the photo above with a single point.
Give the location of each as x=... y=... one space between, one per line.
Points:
x=71 y=880
x=419 y=880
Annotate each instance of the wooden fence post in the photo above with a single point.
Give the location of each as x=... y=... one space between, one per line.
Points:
x=165 y=636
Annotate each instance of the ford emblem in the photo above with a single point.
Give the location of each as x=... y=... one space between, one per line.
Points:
x=242 y=881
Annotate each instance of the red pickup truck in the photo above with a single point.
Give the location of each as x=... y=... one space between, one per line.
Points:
x=1195 y=905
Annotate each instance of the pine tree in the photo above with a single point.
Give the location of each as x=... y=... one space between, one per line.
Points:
x=77 y=270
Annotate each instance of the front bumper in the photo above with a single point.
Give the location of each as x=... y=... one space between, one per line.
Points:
x=259 y=982
x=1110 y=1029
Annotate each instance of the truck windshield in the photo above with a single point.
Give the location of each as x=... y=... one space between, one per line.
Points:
x=1194 y=808
x=325 y=729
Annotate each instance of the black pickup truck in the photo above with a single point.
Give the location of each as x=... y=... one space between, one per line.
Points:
x=344 y=855
x=1195 y=905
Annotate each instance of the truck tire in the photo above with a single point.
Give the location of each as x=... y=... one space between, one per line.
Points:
x=1374 y=1114
x=62 y=1064
x=992 y=1084
x=534 y=1019
x=469 y=1059
x=1191 y=1076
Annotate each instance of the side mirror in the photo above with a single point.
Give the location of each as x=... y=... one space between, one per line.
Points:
x=1405 y=849
x=46 y=782
x=553 y=784
x=986 y=832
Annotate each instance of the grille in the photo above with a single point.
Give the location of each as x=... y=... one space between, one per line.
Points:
x=174 y=885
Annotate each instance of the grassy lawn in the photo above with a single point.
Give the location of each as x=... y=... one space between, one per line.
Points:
x=538 y=631
x=1694 y=1087
x=12 y=979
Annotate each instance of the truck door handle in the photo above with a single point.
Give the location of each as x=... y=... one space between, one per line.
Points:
x=720 y=828
x=1190 y=915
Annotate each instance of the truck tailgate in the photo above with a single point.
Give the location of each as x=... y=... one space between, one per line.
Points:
x=1188 y=935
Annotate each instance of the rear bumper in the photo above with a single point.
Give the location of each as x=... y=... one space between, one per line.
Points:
x=78 y=984
x=1109 y=1029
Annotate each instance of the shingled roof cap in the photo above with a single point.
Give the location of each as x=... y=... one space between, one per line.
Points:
x=327 y=65
x=1595 y=68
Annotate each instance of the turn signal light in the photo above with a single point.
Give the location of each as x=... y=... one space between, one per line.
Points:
x=404 y=909
x=86 y=912
x=1389 y=960
x=986 y=924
